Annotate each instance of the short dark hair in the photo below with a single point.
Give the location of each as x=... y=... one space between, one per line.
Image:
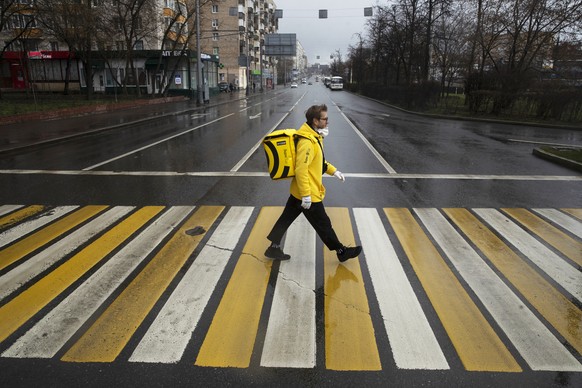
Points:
x=314 y=112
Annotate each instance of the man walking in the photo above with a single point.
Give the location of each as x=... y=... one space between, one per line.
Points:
x=307 y=190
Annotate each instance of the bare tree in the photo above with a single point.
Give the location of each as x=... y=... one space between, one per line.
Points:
x=517 y=36
x=131 y=21
x=450 y=44
x=75 y=23
x=15 y=25
x=435 y=9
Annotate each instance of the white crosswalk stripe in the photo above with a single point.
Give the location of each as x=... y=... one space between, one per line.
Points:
x=542 y=256
x=32 y=267
x=563 y=220
x=5 y=209
x=49 y=335
x=27 y=227
x=537 y=345
x=412 y=340
x=168 y=336
x=290 y=338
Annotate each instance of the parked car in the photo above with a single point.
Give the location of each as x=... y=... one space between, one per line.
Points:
x=294 y=84
x=223 y=87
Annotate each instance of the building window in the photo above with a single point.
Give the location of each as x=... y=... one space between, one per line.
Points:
x=215 y=36
x=215 y=51
x=138 y=45
x=214 y=8
x=54 y=46
x=215 y=24
x=21 y=21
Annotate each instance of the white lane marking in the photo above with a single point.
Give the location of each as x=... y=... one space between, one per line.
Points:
x=258 y=144
x=534 y=341
x=382 y=161
x=9 y=208
x=12 y=280
x=197 y=115
x=35 y=223
x=52 y=332
x=235 y=173
x=172 y=329
x=291 y=332
x=563 y=220
x=255 y=116
x=413 y=342
x=544 y=143
x=155 y=143
x=549 y=262
x=258 y=103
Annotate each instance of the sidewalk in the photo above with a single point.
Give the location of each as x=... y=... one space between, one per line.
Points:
x=47 y=129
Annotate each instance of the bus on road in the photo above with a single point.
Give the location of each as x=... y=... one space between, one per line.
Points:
x=337 y=83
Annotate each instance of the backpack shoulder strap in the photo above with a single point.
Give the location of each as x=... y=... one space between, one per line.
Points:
x=298 y=135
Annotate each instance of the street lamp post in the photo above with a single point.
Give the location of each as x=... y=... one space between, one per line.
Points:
x=248 y=40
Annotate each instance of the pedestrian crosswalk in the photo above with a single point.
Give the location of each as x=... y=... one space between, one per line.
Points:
x=497 y=290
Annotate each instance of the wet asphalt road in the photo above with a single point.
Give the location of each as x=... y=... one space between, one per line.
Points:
x=421 y=161
x=391 y=159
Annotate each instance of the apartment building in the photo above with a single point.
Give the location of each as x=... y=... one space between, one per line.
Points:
x=234 y=30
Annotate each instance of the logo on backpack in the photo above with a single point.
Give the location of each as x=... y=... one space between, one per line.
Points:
x=279 y=148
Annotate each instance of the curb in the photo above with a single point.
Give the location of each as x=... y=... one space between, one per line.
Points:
x=477 y=119
x=557 y=159
x=85 y=110
x=19 y=147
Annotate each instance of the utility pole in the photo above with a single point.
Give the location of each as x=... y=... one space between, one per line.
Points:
x=261 y=21
x=248 y=90
x=200 y=99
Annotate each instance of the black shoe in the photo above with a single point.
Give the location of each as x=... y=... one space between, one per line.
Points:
x=276 y=254
x=348 y=253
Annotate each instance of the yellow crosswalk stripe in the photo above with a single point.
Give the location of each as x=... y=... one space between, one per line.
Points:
x=20 y=215
x=350 y=343
x=24 y=306
x=477 y=344
x=107 y=337
x=231 y=337
x=553 y=305
x=575 y=212
x=552 y=235
x=29 y=244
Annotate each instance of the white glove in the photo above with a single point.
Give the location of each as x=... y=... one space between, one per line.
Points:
x=338 y=174
x=306 y=202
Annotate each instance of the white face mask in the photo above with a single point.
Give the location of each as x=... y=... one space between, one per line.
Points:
x=323 y=131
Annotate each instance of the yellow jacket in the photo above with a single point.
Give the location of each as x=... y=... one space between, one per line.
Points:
x=310 y=165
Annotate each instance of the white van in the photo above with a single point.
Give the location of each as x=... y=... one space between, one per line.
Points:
x=337 y=83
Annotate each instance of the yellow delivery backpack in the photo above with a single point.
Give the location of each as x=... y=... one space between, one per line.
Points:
x=279 y=148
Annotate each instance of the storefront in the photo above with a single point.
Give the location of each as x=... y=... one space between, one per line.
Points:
x=45 y=70
x=153 y=71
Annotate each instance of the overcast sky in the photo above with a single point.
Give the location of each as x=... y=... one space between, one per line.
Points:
x=324 y=36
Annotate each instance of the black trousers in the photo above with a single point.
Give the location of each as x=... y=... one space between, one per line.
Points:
x=316 y=216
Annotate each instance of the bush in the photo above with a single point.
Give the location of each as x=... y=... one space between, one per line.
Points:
x=416 y=96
